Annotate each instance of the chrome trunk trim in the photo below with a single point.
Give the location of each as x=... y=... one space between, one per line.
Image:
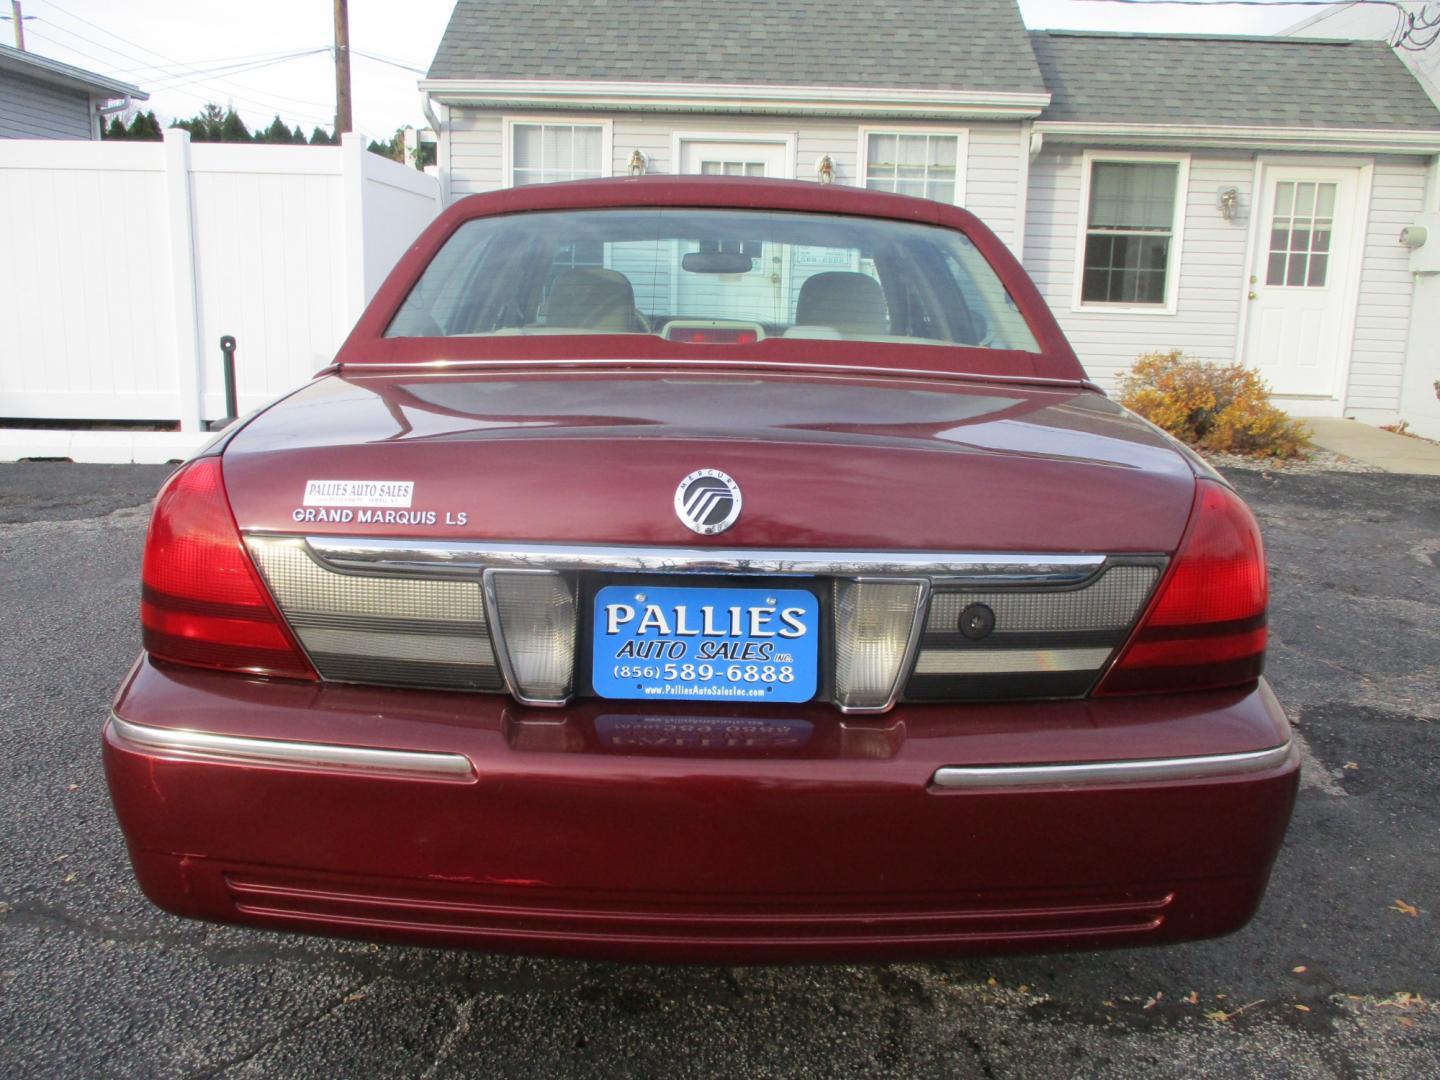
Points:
x=1110 y=772
x=469 y=558
x=240 y=750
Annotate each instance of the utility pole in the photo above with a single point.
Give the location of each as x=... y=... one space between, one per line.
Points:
x=342 y=67
x=19 y=17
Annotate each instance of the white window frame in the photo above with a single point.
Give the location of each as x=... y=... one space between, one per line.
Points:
x=678 y=139
x=507 y=144
x=1177 y=231
x=962 y=151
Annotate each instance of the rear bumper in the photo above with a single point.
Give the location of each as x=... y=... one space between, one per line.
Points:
x=698 y=834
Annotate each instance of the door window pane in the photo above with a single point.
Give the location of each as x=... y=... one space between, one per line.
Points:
x=541 y=153
x=1300 y=228
x=921 y=165
x=1128 y=233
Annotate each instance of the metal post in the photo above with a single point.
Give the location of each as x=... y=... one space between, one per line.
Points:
x=227 y=346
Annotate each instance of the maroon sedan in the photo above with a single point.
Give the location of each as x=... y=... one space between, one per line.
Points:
x=704 y=570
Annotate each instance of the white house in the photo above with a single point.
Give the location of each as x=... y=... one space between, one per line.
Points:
x=1229 y=196
x=42 y=98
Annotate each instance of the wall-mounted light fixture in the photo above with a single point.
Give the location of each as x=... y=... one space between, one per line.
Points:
x=1227 y=201
x=637 y=162
x=825 y=169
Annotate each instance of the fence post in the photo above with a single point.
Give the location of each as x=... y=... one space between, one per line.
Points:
x=180 y=226
x=352 y=185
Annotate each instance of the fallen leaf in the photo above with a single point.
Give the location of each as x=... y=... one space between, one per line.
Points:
x=1300 y=969
x=1303 y=1008
x=1351 y=765
x=1406 y=909
x=72 y=787
x=1024 y=989
x=1402 y=999
x=1407 y=1022
x=1193 y=999
x=991 y=981
x=69 y=878
x=1111 y=1005
x=356 y=996
x=1220 y=1016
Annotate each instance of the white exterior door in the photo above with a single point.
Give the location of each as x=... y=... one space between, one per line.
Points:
x=1301 y=292
x=760 y=295
x=734 y=157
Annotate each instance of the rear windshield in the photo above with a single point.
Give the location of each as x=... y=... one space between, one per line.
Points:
x=712 y=276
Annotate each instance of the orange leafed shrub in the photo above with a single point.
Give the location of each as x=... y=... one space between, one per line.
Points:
x=1221 y=408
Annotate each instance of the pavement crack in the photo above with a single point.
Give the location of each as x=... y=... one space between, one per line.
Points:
x=464 y=1013
x=221 y=1068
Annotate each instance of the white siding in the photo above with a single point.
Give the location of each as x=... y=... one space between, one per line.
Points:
x=35 y=110
x=1212 y=265
x=1382 y=321
x=1213 y=271
x=476 y=152
x=993 y=169
x=994 y=175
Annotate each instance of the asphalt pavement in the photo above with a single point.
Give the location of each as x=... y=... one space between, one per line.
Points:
x=1336 y=977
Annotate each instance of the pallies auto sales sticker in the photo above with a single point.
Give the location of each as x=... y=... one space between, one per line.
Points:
x=359 y=492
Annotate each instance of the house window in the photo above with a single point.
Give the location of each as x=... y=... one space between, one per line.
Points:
x=1300 y=234
x=541 y=153
x=927 y=165
x=1130 y=232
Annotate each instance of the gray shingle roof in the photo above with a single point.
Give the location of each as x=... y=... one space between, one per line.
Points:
x=899 y=44
x=54 y=72
x=1228 y=81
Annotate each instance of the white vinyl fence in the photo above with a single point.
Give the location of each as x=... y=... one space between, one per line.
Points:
x=122 y=264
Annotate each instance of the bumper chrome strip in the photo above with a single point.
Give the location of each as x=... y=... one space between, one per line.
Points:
x=240 y=750
x=432 y=556
x=1104 y=772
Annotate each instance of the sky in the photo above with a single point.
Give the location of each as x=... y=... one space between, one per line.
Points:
x=188 y=52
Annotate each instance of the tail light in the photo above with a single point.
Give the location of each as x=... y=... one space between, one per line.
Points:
x=1205 y=627
x=202 y=602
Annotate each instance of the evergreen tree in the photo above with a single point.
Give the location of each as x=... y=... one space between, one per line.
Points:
x=233 y=129
x=277 y=132
x=116 y=130
x=213 y=119
x=144 y=126
x=297 y=137
x=321 y=137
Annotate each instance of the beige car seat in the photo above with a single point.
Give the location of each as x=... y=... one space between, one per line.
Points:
x=852 y=303
x=593 y=299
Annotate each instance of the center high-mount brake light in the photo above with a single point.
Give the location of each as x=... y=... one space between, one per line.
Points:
x=202 y=602
x=1205 y=628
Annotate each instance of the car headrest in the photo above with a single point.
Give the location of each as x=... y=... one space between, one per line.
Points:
x=592 y=299
x=852 y=303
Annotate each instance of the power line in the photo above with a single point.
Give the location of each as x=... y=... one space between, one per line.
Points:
x=203 y=64
x=1415 y=31
x=387 y=60
x=266 y=100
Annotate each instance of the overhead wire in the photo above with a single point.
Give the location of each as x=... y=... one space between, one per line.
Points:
x=256 y=97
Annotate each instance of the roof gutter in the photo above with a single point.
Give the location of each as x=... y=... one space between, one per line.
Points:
x=1187 y=136
x=732 y=97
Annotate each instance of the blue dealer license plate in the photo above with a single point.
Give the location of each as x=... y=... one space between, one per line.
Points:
x=705 y=644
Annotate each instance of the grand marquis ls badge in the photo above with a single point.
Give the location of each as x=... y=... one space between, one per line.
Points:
x=707 y=501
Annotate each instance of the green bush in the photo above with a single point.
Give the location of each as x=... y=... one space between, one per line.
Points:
x=1221 y=408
